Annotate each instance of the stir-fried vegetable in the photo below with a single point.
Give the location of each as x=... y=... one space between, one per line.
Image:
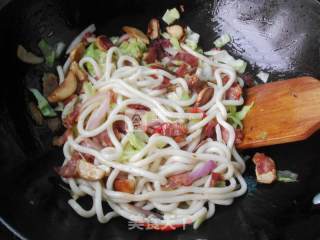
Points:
x=133 y=47
x=286 y=176
x=221 y=41
x=47 y=51
x=235 y=117
x=98 y=55
x=43 y=104
x=171 y=15
x=137 y=141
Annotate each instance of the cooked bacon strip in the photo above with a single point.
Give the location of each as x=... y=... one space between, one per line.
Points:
x=209 y=130
x=187 y=58
x=234 y=92
x=72 y=118
x=265 y=168
x=171 y=129
x=195 y=84
x=215 y=179
x=156 y=50
x=178 y=180
x=138 y=107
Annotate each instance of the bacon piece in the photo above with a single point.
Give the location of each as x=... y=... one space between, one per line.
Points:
x=238 y=138
x=215 y=178
x=265 y=168
x=120 y=126
x=195 y=84
x=248 y=80
x=181 y=179
x=234 y=92
x=72 y=117
x=138 y=107
x=156 y=50
x=172 y=129
x=187 y=58
x=209 y=130
x=69 y=170
x=124 y=185
x=182 y=70
x=103 y=139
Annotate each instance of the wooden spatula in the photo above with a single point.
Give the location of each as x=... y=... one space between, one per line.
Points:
x=283 y=111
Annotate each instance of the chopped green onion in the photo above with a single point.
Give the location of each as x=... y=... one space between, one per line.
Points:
x=47 y=51
x=43 y=104
x=221 y=41
x=185 y=96
x=171 y=15
x=287 y=176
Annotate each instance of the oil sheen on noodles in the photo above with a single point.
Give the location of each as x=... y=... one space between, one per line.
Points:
x=150 y=168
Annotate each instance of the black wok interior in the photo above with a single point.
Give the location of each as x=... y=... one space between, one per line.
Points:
x=278 y=36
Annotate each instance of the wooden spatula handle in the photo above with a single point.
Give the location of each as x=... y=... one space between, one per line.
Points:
x=283 y=111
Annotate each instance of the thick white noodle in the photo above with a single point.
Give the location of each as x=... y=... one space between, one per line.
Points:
x=151 y=167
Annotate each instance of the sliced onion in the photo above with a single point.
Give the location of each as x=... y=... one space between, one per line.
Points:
x=202 y=171
x=91 y=144
x=144 y=212
x=98 y=115
x=91 y=28
x=123 y=38
x=28 y=57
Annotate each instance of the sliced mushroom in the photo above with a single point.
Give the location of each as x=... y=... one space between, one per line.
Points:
x=49 y=83
x=175 y=31
x=153 y=29
x=35 y=113
x=89 y=171
x=103 y=43
x=80 y=74
x=77 y=53
x=204 y=96
x=136 y=33
x=54 y=124
x=65 y=90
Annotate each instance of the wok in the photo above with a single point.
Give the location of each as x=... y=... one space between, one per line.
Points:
x=277 y=36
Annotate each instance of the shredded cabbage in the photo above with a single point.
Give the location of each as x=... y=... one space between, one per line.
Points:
x=235 y=117
x=137 y=141
x=114 y=40
x=224 y=57
x=171 y=15
x=175 y=43
x=98 y=55
x=192 y=39
x=43 y=105
x=222 y=40
x=133 y=47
